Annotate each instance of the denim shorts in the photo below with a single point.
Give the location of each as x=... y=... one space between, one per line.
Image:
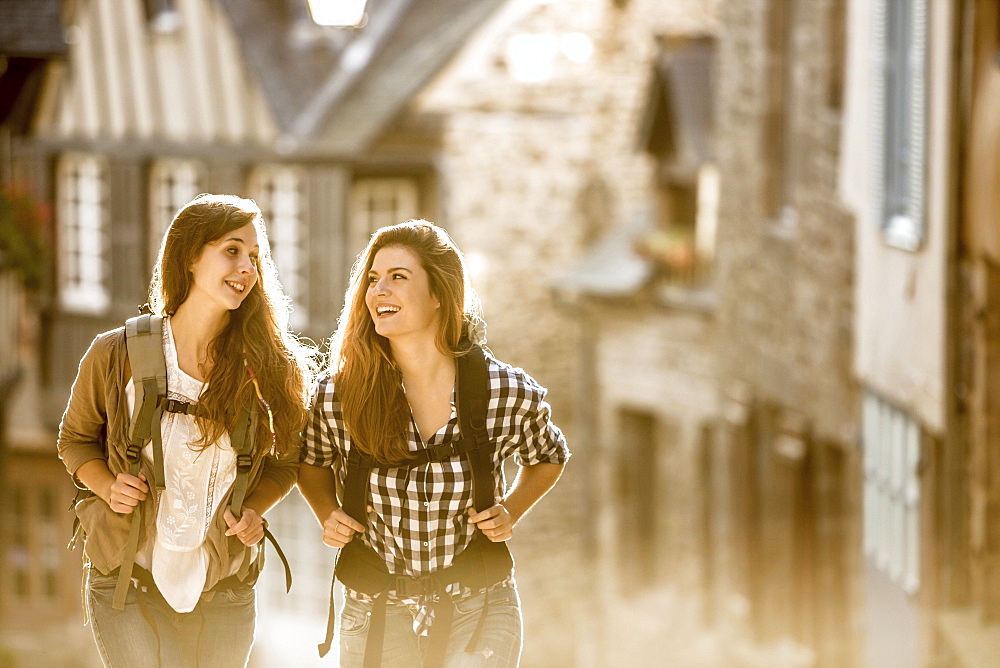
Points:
x=498 y=646
x=218 y=633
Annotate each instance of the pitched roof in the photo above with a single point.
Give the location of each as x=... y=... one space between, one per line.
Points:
x=339 y=87
x=31 y=29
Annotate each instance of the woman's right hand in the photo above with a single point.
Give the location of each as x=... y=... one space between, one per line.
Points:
x=339 y=528
x=126 y=492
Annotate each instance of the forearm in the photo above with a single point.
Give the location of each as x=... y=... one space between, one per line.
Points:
x=97 y=477
x=318 y=486
x=264 y=496
x=531 y=484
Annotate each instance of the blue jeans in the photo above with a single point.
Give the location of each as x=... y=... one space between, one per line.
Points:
x=499 y=644
x=216 y=634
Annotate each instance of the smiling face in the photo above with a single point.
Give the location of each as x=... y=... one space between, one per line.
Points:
x=399 y=297
x=226 y=269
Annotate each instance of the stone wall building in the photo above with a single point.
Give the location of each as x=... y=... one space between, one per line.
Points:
x=785 y=341
x=564 y=137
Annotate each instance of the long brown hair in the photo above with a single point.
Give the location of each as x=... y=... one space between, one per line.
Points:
x=368 y=383
x=257 y=334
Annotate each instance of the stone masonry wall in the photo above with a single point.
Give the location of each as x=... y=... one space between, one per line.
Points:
x=517 y=161
x=785 y=289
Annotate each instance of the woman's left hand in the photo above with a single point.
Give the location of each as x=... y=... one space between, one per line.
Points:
x=250 y=527
x=495 y=523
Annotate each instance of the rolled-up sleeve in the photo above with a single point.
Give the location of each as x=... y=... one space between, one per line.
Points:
x=319 y=446
x=541 y=440
x=283 y=471
x=83 y=429
x=523 y=419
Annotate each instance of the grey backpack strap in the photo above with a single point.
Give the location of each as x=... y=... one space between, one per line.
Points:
x=144 y=340
x=242 y=439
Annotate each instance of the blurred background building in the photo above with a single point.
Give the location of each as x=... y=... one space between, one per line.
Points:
x=750 y=246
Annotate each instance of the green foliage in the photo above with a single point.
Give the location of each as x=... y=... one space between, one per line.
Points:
x=25 y=236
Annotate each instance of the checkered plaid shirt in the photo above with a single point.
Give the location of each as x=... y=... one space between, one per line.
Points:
x=419 y=520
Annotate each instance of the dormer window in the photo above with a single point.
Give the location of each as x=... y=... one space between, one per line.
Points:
x=162 y=16
x=677 y=133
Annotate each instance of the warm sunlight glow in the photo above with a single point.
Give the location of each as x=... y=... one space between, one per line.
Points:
x=530 y=56
x=577 y=46
x=344 y=13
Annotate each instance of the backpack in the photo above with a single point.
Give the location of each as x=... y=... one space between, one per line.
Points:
x=481 y=564
x=144 y=341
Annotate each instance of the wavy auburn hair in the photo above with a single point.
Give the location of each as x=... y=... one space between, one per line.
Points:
x=257 y=331
x=368 y=383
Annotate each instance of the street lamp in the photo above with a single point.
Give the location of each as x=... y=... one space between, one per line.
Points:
x=341 y=13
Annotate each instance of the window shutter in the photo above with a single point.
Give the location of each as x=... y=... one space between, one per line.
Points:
x=129 y=276
x=892 y=442
x=330 y=257
x=880 y=67
x=899 y=55
x=279 y=191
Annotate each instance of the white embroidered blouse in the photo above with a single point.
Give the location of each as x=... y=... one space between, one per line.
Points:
x=196 y=482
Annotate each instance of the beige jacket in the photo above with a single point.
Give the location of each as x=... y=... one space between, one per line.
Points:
x=95 y=426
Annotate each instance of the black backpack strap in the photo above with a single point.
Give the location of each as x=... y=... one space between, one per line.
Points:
x=355 y=504
x=473 y=399
x=359 y=468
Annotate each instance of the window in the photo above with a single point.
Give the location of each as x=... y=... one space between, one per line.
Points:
x=837 y=53
x=50 y=542
x=891 y=532
x=162 y=16
x=173 y=183
x=899 y=99
x=376 y=202
x=10 y=295
x=637 y=493
x=776 y=135
x=677 y=133
x=277 y=189
x=81 y=219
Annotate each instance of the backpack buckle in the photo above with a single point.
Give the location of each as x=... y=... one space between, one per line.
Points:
x=410 y=587
x=243 y=463
x=178 y=406
x=442 y=452
x=132 y=452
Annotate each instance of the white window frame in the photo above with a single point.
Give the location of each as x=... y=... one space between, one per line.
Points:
x=83 y=244
x=892 y=444
x=900 y=81
x=279 y=192
x=172 y=184
x=380 y=201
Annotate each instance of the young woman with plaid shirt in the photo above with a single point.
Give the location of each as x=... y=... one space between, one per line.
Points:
x=391 y=393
